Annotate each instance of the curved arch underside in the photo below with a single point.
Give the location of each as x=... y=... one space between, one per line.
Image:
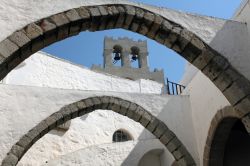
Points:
x=85 y=106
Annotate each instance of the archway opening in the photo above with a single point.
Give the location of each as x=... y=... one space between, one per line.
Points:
x=237 y=148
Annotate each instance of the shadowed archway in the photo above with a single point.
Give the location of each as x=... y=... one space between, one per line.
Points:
x=85 y=106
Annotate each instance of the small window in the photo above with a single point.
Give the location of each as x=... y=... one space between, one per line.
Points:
x=121 y=136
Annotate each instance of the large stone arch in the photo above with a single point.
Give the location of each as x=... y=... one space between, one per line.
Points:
x=121 y=106
x=218 y=134
x=37 y=35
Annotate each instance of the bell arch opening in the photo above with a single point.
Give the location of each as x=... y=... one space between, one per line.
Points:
x=85 y=106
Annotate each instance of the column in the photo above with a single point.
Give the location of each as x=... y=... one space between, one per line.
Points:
x=143 y=60
x=107 y=54
x=125 y=59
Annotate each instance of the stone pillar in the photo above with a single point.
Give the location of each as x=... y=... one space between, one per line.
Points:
x=143 y=60
x=125 y=59
x=107 y=54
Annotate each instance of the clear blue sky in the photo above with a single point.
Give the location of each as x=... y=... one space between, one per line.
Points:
x=87 y=47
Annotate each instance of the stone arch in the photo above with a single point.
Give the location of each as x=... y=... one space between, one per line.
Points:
x=152 y=157
x=121 y=106
x=37 y=35
x=218 y=135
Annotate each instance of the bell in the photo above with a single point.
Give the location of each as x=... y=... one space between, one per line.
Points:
x=117 y=57
x=134 y=57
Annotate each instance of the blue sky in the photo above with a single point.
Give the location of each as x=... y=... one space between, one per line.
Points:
x=87 y=47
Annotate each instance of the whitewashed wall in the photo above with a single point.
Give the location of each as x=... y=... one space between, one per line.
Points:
x=44 y=70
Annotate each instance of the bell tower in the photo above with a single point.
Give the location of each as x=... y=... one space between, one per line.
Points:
x=127 y=58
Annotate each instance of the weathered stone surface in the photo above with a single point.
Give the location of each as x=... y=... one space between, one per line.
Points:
x=42 y=128
x=62 y=24
x=183 y=39
x=121 y=18
x=97 y=103
x=243 y=107
x=96 y=17
x=51 y=122
x=145 y=119
x=179 y=153
x=204 y=58
x=163 y=32
x=193 y=49
x=58 y=117
x=19 y=38
x=154 y=28
x=113 y=14
x=246 y=121
x=85 y=16
x=173 y=36
x=33 y=134
x=160 y=130
x=131 y=110
x=7 y=48
x=75 y=22
x=104 y=18
x=173 y=144
x=137 y=20
x=138 y=113
x=238 y=90
x=25 y=142
x=49 y=29
x=17 y=150
x=105 y=102
x=66 y=112
x=167 y=137
x=226 y=78
x=124 y=107
x=152 y=124
x=130 y=13
x=114 y=105
x=216 y=66
x=10 y=160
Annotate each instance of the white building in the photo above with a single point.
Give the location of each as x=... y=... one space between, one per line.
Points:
x=45 y=102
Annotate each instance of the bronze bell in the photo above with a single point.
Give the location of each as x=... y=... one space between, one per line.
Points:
x=117 y=56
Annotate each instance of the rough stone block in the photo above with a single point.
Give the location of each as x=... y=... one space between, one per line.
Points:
x=104 y=18
x=19 y=38
x=62 y=24
x=113 y=14
x=114 y=105
x=167 y=136
x=243 y=107
x=173 y=144
x=97 y=103
x=17 y=151
x=121 y=18
x=172 y=37
x=89 y=105
x=186 y=161
x=58 y=117
x=74 y=110
x=226 y=78
x=138 y=113
x=216 y=66
x=193 y=49
x=137 y=20
x=25 y=142
x=33 y=134
x=237 y=91
x=183 y=39
x=163 y=32
x=154 y=28
x=130 y=13
x=124 y=107
x=131 y=110
x=49 y=30
x=160 y=129
x=10 y=160
x=204 y=58
x=75 y=22
x=8 y=48
x=96 y=17
x=66 y=112
x=42 y=128
x=246 y=121
x=152 y=124
x=51 y=122
x=85 y=15
x=180 y=152
x=34 y=33
x=105 y=102
x=145 y=119
x=14 y=61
